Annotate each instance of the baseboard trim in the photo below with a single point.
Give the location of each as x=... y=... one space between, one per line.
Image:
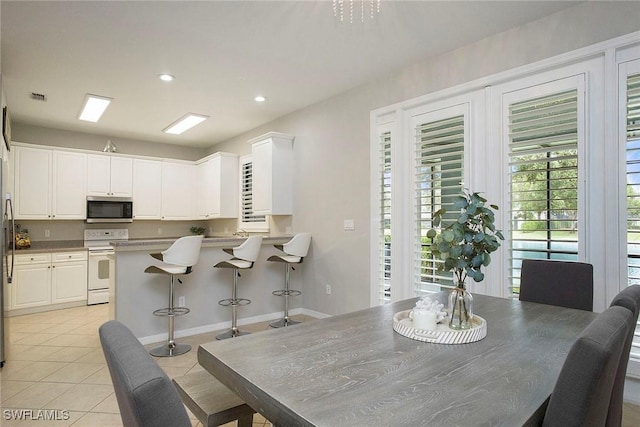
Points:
x=151 y=339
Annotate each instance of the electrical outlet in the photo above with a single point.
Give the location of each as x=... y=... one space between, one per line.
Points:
x=328 y=289
x=182 y=301
x=47 y=233
x=159 y=230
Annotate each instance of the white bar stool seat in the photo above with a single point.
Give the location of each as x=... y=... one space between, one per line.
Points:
x=294 y=252
x=179 y=259
x=244 y=256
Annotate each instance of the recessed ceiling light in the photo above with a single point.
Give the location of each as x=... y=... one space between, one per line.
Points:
x=184 y=123
x=260 y=98
x=93 y=107
x=166 y=77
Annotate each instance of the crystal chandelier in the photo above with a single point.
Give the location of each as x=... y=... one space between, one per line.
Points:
x=348 y=9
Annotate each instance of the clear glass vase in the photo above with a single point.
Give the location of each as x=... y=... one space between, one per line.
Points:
x=460 y=307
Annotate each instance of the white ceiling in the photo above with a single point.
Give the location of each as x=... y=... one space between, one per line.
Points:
x=222 y=53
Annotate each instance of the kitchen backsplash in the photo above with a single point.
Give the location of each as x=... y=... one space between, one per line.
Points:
x=147 y=229
x=74 y=230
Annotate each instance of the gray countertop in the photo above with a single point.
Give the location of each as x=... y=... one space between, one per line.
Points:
x=214 y=241
x=53 y=246
x=140 y=244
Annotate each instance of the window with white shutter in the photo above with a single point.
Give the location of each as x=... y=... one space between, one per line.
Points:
x=543 y=134
x=249 y=221
x=632 y=193
x=438 y=180
x=384 y=236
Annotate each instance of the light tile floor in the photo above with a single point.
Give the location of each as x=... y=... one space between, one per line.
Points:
x=55 y=363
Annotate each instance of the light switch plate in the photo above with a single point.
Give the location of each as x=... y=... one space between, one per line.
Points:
x=349 y=225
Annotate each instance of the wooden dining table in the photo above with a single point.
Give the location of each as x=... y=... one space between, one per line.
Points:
x=355 y=370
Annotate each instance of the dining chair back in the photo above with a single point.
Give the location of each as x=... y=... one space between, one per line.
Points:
x=583 y=390
x=562 y=283
x=630 y=299
x=145 y=394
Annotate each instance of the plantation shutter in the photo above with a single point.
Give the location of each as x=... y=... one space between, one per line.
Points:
x=246 y=198
x=543 y=179
x=384 y=237
x=633 y=193
x=438 y=181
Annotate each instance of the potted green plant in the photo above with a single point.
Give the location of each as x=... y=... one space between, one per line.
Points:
x=464 y=247
x=197 y=230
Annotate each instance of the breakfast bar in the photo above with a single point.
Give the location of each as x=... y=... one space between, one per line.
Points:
x=134 y=295
x=353 y=369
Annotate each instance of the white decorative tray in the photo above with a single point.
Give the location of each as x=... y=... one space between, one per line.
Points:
x=443 y=334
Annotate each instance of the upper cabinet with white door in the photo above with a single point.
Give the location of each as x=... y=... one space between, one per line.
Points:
x=272 y=164
x=217 y=186
x=50 y=184
x=109 y=175
x=147 y=189
x=178 y=180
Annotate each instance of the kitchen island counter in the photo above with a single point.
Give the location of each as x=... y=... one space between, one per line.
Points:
x=208 y=242
x=134 y=294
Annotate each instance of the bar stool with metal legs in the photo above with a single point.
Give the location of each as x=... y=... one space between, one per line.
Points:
x=294 y=252
x=243 y=258
x=179 y=259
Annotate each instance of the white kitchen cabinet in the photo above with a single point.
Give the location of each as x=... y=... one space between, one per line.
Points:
x=68 y=276
x=272 y=164
x=49 y=184
x=31 y=286
x=147 y=189
x=109 y=175
x=68 y=191
x=217 y=186
x=32 y=184
x=48 y=278
x=177 y=190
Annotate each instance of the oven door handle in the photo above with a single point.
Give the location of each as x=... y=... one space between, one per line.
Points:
x=101 y=252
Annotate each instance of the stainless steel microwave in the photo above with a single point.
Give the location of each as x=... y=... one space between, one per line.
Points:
x=109 y=209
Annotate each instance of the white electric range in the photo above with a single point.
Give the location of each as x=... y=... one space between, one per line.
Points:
x=98 y=269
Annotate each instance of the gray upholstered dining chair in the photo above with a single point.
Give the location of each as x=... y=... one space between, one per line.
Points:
x=582 y=393
x=630 y=299
x=563 y=283
x=145 y=394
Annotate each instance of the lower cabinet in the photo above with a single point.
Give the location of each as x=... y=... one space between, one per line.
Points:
x=48 y=278
x=31 y=286
x=68 y=277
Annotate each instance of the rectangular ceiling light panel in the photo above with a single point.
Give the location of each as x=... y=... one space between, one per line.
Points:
x=185 y=123
x=93 y=107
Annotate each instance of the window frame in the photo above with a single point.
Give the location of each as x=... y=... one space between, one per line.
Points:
x=626 y=68
x=520 y=91
x=252 y=226
x=602 y=188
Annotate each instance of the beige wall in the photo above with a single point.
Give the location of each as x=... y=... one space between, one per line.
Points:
x=332 y=142
x=63 y=138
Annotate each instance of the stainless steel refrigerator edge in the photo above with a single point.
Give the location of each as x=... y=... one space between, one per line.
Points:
x=7 y=249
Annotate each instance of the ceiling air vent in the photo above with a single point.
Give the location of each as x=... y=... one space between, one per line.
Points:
x=38 y=96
